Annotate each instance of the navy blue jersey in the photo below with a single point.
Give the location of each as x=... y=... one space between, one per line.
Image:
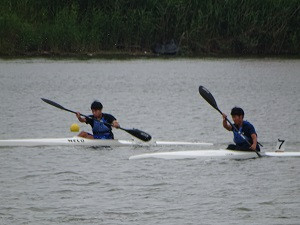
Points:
x=101 y=128
x=247 y=130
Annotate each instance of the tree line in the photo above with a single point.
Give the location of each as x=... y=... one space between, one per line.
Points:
x=198 y=27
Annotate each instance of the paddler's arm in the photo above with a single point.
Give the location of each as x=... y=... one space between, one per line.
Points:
x=254 y=141
x=226 y=125
x=81 y=119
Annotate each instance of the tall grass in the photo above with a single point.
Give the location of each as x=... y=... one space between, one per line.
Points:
x=198 y=26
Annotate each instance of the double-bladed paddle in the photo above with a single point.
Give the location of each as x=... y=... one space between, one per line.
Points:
x=211 y=100
x=134 y=132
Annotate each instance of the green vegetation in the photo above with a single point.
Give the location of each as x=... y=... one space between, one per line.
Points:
x=222 y=27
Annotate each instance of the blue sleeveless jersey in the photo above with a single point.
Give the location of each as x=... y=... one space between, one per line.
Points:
x=247 y=129
x=100 y=129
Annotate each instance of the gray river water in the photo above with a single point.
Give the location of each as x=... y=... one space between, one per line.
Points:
x=84 y=185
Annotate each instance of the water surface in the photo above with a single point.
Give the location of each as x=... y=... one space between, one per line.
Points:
x=82 y=185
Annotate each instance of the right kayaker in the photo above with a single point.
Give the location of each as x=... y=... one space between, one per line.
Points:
x=245 y=128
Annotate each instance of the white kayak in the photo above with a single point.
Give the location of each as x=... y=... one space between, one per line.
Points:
x=213 y=154
x=78 y=141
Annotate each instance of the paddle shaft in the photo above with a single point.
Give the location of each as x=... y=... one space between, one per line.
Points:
x=135 y=132
x=68 y=110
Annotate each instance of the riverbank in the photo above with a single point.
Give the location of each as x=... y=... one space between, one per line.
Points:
x=133 y=55
x=198 y=28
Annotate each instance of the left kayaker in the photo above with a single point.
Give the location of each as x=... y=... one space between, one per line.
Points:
x=101 y=123
x=245 y=128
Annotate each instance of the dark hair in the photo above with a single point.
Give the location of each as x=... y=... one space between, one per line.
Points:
x=96 y=105
x=236 y=111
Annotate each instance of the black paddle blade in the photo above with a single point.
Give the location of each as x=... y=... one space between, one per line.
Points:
x=53 y=103
x=208 y=97
x=139 y=134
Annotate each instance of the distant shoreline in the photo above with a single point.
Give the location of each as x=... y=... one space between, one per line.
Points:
x=136 y=55
x=105 y=29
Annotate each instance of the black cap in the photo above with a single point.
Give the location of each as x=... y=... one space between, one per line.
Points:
x=236 y=111
x=96 y=105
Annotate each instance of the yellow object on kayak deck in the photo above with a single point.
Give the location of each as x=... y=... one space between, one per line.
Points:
x=74 y=127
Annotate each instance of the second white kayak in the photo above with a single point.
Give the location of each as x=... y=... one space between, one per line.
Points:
x=212 y=154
